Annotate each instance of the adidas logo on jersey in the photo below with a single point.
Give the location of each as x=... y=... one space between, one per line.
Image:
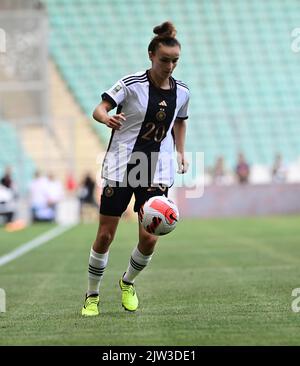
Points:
x=163 y=103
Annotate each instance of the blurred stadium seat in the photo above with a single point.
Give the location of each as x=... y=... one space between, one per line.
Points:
x=236 y=58
x=13 y=154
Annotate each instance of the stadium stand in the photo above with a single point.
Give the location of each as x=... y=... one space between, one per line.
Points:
x=236 y=58
x=13 y=154
x=71 y=143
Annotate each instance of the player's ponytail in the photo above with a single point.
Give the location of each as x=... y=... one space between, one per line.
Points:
x=165 y=34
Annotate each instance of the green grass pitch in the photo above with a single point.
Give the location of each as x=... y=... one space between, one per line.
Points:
x=210 y=282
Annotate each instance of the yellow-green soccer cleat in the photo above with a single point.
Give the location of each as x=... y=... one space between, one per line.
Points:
x=130 y=300
x=90 y=307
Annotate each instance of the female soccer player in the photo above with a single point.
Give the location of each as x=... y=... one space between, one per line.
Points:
x=150 y=120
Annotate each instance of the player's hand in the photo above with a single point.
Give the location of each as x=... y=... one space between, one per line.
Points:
x=183 y=164
x=116 y=121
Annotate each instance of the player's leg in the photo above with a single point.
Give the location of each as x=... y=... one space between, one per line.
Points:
x=142 y=253
x=140 y=258
x=100 y=251
x=114 y=201
x=98 y=261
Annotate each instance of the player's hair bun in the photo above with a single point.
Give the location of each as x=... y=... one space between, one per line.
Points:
x=165 y=29
x=165 y=34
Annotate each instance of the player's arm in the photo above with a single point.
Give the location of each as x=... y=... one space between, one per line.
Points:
x=179 y=133
x=101 y=115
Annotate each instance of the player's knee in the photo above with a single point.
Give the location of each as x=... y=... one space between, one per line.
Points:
x=149 y=241
x=105 y=238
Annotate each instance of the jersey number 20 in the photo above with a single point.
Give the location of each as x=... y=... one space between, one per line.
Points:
x=156 y=133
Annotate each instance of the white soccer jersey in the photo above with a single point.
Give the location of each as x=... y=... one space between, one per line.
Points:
x=146 y=135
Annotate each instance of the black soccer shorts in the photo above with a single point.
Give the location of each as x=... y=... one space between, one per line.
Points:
x=115 y=198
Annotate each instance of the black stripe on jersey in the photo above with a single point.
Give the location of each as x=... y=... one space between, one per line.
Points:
x=182 y=84
x=182 y=117
x=134 y=78
x=110 y=141
x=172 y=82
x=173 y=135
x=119 y=109
x=154 y=130
x=107 y=97
x=136 y=81
x=128 y=78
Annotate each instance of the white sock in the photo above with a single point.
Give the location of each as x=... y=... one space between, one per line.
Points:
x=97 y=264
x=137 y=263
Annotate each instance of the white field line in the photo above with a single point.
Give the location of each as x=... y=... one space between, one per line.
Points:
x=35 y=243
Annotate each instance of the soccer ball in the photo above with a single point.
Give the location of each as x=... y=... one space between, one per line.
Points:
x=159 y=215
